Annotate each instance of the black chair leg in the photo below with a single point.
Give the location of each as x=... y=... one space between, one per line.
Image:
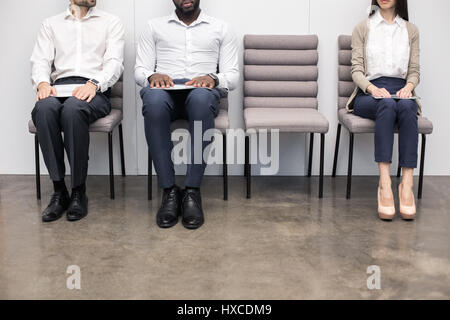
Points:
x=111 y=166
x=149 y=176
x=399 y=171
x=38 y=167
x=322 y=155
x=248 y=167
x=122 y=154
x=422 y=164
x=225 y=168
x=336 y=150
x=350 y=165
x=311 y=149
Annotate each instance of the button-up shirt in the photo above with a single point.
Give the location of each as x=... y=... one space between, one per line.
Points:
x=388 y=49
x=169 y=46
x=91 y=47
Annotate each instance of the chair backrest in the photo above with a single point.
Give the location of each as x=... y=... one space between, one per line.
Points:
x=280 y=71
x=345 y=84
x=116 y=97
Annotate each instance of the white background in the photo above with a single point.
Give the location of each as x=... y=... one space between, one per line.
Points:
x=20 y=20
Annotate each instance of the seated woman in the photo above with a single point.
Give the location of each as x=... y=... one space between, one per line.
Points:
x=385 y=62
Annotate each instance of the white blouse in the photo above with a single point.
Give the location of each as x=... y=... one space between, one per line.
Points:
x=388 y=49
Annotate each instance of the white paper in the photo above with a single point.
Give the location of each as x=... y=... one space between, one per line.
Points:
x=398 y=98
x=65 y=90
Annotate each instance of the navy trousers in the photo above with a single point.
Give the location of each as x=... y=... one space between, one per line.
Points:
x=389 y=114
x=160 y=108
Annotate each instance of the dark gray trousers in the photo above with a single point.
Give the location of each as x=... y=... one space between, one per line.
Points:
x=52 y=116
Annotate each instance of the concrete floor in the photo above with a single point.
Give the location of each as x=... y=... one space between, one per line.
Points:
x=282 y=244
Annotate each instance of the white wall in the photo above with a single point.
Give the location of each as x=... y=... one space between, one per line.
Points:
x=326 y=18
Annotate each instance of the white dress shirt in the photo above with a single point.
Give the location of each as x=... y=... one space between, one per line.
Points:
x=168 y=46
x=91 y=47
x=388 y=48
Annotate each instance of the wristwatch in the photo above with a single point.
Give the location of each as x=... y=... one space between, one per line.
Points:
x=215 y=78
x=95 y=82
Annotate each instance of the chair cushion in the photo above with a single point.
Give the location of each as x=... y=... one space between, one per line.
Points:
x=222 y=122
x=356 y=124
x=286 y=119
x=106 y=124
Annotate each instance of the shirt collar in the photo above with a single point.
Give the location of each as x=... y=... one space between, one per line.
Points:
x=93 y=12
x=201 y=18
x=377 y=18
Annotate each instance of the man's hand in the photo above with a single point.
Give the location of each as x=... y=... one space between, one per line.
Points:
x=160 y=81
x=406 y=92
x=87 y=91
x=44 y=91
x=202 y=82
x=378 y=92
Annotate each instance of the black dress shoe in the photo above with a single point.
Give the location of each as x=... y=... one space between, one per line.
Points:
x=78 y=208
x=58 y=204
x=169 y=212
x=191 y=207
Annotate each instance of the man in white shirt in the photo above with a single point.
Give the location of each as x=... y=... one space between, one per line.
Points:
x=187 y=47
x=82 y=46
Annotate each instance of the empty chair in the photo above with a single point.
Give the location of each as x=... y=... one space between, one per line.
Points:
x=280 y=90
x=104 y=125
x=358 y=125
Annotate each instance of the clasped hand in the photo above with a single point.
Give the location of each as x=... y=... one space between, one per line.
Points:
x=404 y=93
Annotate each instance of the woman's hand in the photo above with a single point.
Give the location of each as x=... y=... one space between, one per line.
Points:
x=406 y=92
x=378 y=92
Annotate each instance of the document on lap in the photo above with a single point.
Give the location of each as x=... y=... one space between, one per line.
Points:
x=398 y=98
x=179 y=87
x=65 y=90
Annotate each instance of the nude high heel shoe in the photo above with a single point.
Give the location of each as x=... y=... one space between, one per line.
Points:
x=385 y=213
x=407 y=212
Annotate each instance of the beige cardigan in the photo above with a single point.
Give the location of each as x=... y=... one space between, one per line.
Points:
x=359 y=43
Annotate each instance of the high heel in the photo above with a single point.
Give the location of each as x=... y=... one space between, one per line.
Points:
x=406 y=212
x=385 y=213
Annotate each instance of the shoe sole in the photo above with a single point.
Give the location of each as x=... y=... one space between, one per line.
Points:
x=192 y=227
x=386 y=217
x=408 y=217
x=51 y=220
x=166 y=226
x=78 y=219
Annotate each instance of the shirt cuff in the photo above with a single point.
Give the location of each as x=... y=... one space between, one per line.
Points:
x=40 y=80
x=223 y=83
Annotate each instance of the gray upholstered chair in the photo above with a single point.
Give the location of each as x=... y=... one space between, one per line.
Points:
x=358 y=125
x=103 y=125
x=222 y=123
x=280 y=90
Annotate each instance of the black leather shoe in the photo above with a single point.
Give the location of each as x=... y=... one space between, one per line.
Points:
x=78 y=208
x=169 y=212
x=58 y=204
x=191 y=207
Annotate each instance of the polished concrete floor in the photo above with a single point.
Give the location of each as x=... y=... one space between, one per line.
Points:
x=284 y=243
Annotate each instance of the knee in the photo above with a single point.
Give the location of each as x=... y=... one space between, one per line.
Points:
x=386 y=107
x=153 y=96
x=74 y=109
x=407 y=107
x=45 y=108
x=154 y=102
x=200 y=104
